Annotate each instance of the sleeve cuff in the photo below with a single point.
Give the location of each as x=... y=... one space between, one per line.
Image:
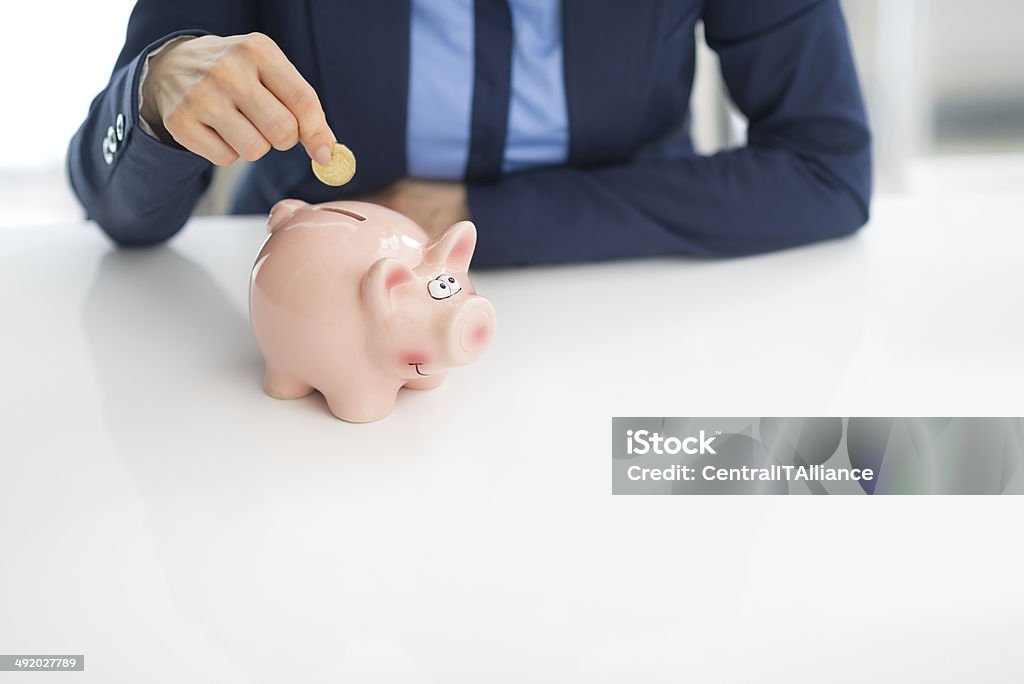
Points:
x=119 y=116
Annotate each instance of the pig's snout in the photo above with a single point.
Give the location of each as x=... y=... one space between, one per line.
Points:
x=472 y=331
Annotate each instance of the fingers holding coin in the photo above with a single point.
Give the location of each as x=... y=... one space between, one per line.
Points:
x=341 y=169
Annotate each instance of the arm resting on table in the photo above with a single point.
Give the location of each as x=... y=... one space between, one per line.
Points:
x=148 y=189
x=804 y=176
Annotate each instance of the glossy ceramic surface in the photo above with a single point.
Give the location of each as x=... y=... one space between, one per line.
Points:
x=351 y=299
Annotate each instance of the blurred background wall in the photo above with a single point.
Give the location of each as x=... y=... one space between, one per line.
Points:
x=943 y=78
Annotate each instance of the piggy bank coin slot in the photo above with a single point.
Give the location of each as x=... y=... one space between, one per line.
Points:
x=346 y=212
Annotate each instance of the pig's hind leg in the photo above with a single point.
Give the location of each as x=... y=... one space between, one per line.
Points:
x=282 y=386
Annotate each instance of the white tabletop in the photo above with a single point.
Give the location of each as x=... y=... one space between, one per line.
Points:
x=162 y=516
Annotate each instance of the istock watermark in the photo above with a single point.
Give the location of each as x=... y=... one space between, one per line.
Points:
x=643 y=441
x=829 y=455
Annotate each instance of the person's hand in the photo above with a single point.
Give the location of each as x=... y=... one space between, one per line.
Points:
x=230 y=97
x=435 y=205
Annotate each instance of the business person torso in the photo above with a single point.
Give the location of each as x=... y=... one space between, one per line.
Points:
x=556 y=115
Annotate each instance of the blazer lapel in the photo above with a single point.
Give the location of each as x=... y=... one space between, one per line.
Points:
x=363 y=49
x=608 y=47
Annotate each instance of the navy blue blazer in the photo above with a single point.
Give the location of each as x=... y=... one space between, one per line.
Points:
x=805 y=174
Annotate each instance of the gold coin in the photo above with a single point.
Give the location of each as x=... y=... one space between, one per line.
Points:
x=340 y=170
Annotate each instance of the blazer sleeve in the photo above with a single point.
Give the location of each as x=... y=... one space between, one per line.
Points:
x=804 y=176
x=137 y=188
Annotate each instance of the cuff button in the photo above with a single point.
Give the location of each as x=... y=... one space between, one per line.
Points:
x=111 y=139
x=119 y=127
x=108 y=154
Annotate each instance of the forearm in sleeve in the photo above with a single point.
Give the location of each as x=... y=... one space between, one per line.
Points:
x=804 y=176
x=138 y=189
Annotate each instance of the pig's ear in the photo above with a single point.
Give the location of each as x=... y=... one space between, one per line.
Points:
x=383 y=277
x=283 y=211
x=453 y=250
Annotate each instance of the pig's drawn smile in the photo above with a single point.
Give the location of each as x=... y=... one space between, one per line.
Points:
x=417 y=367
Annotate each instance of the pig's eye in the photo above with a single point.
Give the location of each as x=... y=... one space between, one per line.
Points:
x=443 y=286
x=451 y=282
x=439 y=289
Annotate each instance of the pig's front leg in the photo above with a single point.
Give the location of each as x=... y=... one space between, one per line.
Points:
x=365 y=405
x=429 y=382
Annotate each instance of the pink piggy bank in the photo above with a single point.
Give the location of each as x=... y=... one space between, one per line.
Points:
x=351 y=299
